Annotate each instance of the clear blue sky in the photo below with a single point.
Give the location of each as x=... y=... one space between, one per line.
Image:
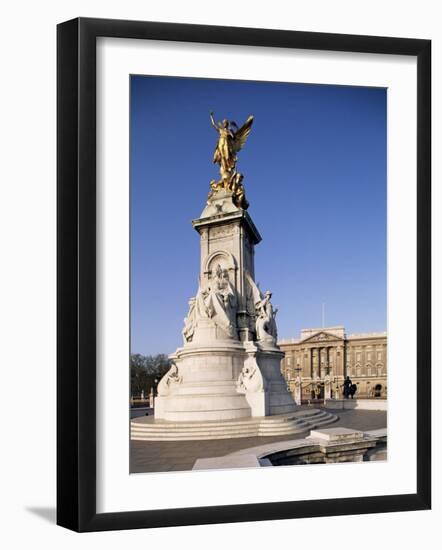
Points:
x=315 y=175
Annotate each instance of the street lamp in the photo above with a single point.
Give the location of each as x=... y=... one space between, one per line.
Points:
x=337 y=389
x=297 y=370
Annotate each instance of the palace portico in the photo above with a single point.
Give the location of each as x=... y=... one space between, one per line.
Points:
x=321 y=358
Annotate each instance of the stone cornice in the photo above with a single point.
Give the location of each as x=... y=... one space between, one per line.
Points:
x=220 y=219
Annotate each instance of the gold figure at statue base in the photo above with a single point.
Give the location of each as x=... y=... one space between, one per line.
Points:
x=233 y=185
x=231 y=139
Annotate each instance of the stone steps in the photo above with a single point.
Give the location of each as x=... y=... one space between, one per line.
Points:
x=147 y=429
x=268 y=420
x=282 y=420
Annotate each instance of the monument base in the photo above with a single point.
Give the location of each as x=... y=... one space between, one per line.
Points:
x=227 y=381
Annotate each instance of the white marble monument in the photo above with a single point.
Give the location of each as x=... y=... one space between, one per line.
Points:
x=229 y=365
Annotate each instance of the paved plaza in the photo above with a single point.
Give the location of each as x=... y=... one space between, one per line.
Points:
x=167 y=456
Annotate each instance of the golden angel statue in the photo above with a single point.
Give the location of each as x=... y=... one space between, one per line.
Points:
x=231 y=140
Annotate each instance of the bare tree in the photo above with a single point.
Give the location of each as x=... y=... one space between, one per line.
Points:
x=146 y=371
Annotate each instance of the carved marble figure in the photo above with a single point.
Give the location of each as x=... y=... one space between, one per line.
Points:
x=261 y=311
x=171 y=378
x=265 y=322
x=217 y=301
x=250 y=378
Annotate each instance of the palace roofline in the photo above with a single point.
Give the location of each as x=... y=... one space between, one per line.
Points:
x=354 y=336
x=289 y=341
x=361 y=335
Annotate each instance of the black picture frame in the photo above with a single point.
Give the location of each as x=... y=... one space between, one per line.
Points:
x=76 y=274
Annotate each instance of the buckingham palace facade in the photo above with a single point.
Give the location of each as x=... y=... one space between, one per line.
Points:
x=330 y=355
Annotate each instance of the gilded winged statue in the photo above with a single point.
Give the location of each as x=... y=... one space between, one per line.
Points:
x=231 y=140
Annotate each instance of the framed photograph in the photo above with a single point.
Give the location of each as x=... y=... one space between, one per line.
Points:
x=243 y=274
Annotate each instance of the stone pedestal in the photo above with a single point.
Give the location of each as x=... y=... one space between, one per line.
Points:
x=228 y=239
x=297 y=393
x=229 y=365
x=327 y=387
x=207 y=385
